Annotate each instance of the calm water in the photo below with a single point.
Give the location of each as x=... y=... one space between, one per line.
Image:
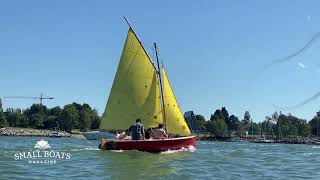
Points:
x=211 y=160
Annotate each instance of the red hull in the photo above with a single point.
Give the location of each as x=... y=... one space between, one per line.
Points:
x=152 y=145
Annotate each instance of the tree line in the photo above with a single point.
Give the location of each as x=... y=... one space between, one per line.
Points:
x=71 y=116
x=277 y=125
x=221 y=124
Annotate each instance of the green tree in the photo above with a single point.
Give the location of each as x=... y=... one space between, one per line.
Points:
x=289 y=125
x=56 y=111
x=202 y=122
x=11 y=117
x=95 y=119
x=245 y=124
x=225 y=114
x=95 y=123
x=315 y=124
x=246 y=118
x=233 y=123
x=255 y=129
x=293 y=131
x=77 y=106
x=37 y=108
x=69 y=118
x=86 y=106
x=36 y=120
x=84 y=119
x=275 y=116
x=52 y=120
x=2 y=118
x=16 y=118
x=217 y=115
x=219 y=128
x=36 y=115
x=304 y=130
x=217 y=124
x=21 y=119
x=210 y=127
x=268 y=128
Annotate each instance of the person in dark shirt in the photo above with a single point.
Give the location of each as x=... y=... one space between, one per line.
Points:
x=137 y=130
x=148 y=133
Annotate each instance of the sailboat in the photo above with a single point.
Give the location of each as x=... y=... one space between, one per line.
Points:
x=141 y=90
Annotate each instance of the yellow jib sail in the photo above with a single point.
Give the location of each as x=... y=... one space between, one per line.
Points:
x=135 y=90
x=175 y=122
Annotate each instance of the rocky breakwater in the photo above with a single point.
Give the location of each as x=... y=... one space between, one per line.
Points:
x=32 y=132
x=300 y=140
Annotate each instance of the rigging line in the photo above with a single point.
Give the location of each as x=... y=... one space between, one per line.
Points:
x=161 y=88
x=310 y=99
x=139 y=42
x=286 y=58
x=153 y=55
x=292 y=55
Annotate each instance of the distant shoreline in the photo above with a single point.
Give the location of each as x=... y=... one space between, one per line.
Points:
x=29 y=132
x=286 y=140
x=10 y=131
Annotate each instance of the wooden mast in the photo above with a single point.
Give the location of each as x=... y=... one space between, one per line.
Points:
x=161 y=88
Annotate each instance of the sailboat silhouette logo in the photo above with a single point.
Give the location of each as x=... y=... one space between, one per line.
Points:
x=42 y=144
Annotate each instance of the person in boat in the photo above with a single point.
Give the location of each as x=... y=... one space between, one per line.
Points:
x=159 y=133
x=137 y=130
x=124 y=135
x=148 y=133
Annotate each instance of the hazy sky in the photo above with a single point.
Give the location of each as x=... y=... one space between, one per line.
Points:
x=212 y=51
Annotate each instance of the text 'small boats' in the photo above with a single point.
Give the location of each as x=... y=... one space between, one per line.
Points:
x=142 y=91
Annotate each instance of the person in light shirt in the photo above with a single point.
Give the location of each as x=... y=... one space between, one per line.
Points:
x=159 y=133
x=124 y=135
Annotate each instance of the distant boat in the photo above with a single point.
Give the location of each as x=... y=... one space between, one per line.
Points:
x=141 y=90
x=263 y=140
x=55 y=135
x=97 y=135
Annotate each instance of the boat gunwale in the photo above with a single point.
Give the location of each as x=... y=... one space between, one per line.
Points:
x=148 y=140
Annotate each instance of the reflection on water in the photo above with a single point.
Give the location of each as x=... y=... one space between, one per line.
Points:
x=124 y=165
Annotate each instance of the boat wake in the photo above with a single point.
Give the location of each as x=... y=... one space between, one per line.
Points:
x=92 y=149
x=119 y=151
x=189 y=149
x=86 y=149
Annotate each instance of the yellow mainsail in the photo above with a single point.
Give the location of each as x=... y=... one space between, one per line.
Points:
x=135 y=90
x=175 y=122
x=135 y=94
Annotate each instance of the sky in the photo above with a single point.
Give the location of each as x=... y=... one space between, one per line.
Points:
x=214 y=52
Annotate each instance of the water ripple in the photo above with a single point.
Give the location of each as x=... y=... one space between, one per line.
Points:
x=210 y=160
